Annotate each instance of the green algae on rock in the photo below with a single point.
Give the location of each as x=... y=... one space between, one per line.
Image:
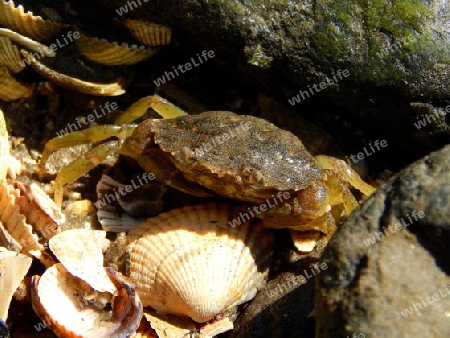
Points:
x=397 y=52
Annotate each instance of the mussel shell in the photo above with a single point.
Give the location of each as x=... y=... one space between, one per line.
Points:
x=111 y=53
x=190 y=262
x=148 y=33
x=26 y=23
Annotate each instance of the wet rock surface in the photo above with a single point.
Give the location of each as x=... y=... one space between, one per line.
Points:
x=282 y=308
x=396 y=53
x=388 y=272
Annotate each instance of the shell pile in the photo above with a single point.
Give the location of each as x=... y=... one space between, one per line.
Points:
x=41 y=37
x=97 y=302
x=190 y=262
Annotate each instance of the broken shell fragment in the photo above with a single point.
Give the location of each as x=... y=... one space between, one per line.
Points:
x=111 y=53
x=217 y=327
x=305 y=241
x=190 y=262
x=26 y=23
x=85 y=87
x=62 y=302
x=13 y=268
x=168 y=326
x=149 y=33
x=12 y=89
x=81 y=253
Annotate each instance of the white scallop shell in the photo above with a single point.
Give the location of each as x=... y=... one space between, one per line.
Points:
x=190 y=262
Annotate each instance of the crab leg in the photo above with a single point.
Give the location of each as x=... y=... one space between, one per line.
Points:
x=351 y=176
x=163 y=107
x=90 y=135
x=81 y=166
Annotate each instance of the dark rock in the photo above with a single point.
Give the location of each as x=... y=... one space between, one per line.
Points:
x=283 y=308
x=397 y=54
x=388 y=262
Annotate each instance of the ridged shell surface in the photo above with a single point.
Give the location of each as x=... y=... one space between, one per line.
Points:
x=26 y=23
x=111 y=53
x=10 y=56
x=12 y=89
x=148 y=33
x=190 y=262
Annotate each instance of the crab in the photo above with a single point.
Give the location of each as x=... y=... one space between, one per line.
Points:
x=237 y=156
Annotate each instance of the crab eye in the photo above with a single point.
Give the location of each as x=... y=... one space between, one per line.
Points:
x=252 y=176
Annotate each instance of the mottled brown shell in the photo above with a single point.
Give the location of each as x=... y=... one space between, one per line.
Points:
x=235 y=155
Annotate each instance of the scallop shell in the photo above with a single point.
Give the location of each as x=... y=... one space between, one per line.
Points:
x=190 y=262
x=13 y=268
x=60 y=301
x=10 y=56
x=14 y=221
x=40 y=210
x=111 y=53
x=81 y=253
x=121 y=213
x=27 y=218
x=26 y=23
x=149 y=33
x=12 y=89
